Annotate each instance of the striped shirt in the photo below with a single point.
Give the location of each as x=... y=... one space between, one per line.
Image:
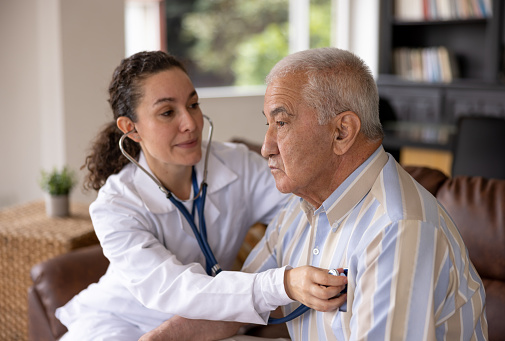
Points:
x=409 y=274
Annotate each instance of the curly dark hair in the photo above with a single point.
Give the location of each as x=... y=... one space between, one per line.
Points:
x=125 y=93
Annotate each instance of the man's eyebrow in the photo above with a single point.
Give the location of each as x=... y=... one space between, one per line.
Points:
x=171 y=99
x=277 y=111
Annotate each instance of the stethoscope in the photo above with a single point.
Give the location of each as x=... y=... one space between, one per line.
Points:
x=302 y=309
x=200 y=193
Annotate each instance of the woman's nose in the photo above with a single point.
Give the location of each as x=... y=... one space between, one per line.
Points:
x=188 y=121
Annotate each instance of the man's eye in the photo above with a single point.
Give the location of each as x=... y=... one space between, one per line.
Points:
x=194 y=105
x=280 y=123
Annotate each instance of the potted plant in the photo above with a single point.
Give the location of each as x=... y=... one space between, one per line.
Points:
x=57 y=186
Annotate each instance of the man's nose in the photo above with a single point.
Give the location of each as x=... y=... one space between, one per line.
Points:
x=269 y=147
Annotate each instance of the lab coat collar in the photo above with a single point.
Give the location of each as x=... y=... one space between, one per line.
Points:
x=218 y=177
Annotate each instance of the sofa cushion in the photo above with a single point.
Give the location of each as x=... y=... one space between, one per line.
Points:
x=472 y=202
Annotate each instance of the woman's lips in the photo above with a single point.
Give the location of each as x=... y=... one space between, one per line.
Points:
x=188 y=144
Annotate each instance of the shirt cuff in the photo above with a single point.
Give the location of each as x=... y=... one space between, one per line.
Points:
x=269 y=291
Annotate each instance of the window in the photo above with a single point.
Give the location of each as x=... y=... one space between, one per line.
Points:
x=142 y=26
x=230 y=42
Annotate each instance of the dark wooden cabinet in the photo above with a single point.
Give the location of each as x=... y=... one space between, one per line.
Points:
x=476 y=101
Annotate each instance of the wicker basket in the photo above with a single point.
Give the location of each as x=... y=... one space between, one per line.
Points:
x=27 y=237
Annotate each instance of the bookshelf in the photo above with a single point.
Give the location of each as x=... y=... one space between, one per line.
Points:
x=475 y=41
x=427 y=109
x=476 y=47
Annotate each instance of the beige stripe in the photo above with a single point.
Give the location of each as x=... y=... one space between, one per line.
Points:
x=411 y=201
x=288 y=253
x=368 y=287
x=454 y=326
x=328 y=318
x=330 y=247
x=312 y=327
x=407 y=253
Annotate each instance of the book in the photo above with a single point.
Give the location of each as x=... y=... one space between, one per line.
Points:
x=409 y=10
x=430 y=64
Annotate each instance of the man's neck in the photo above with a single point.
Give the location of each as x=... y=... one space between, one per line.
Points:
x=342 y=167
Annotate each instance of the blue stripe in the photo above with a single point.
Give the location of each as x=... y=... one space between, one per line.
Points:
x=424 y=270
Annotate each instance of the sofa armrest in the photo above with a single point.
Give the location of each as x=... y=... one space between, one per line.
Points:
x=39 y=327
x=59 y=279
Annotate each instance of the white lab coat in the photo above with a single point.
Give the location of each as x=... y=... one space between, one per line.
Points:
x=156 y=266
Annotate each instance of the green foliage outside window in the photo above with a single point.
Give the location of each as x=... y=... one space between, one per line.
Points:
x=236 y=42
x=320 y=23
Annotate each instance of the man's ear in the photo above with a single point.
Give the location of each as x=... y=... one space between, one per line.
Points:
x=347 y=127
x=126 y=125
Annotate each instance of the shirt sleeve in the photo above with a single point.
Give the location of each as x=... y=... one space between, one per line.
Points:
x=395 y=282
x=158 y=280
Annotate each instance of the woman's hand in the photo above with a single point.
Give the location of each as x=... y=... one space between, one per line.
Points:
x=315 y=287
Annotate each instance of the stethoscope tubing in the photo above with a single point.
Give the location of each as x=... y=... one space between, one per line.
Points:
x=212 y=266
x=200 y=236
x=300 y=310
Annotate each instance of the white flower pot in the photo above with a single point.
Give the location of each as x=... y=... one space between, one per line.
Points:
x=57 y=205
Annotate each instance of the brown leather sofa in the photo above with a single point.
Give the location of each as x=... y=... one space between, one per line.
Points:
x=476 y=204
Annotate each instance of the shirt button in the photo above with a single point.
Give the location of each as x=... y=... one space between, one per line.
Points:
x=315 y=251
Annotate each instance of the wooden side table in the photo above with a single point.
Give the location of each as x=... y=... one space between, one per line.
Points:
x=27 y=237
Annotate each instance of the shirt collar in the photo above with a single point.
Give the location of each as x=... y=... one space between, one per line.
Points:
x=218 y=176
x=351 y=191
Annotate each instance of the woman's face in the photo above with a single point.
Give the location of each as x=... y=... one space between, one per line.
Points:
x=169 y=121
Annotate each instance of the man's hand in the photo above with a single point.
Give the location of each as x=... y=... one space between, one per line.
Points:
x=181 y=329
x=315 y=287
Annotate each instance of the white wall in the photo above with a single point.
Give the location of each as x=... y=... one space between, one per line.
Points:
x=234 y=113
x=56 y=60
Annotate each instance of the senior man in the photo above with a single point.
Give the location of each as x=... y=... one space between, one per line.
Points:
x=409 y=274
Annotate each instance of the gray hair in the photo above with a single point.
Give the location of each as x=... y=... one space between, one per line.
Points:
x=337 y=81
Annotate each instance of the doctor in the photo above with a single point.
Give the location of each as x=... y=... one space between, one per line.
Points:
x=157 y=268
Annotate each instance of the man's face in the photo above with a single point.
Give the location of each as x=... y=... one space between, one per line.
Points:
x=299 y=150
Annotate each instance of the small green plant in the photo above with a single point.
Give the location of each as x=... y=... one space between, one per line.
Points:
x=57 y=182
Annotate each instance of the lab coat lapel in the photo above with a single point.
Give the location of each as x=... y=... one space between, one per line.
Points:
x=219 y=175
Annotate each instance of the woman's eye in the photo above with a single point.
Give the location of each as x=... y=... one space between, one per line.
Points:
x=194 y=105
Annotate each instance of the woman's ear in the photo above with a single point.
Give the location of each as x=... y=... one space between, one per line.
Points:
x=347 y=128
x=126 y=125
